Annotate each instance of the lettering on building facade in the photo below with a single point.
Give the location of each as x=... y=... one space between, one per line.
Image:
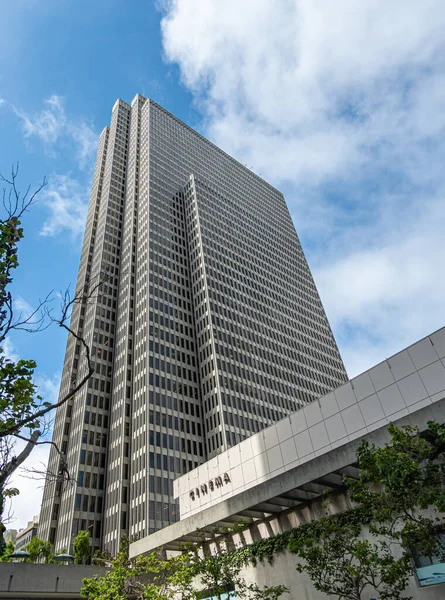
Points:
x=211 y=485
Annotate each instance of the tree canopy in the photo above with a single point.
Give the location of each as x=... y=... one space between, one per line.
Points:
x=39 y=550
x=400 y=495
x=82 y=547
x=192 y=574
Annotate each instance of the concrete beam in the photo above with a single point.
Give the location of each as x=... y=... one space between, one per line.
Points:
x=316 y=489
x=229 y=524
x=236 y=518
x=333 y=481
x=350 y=471
x=269 y=508
x=285 y=484
x=255 y=514
x=282 y=501
x=297 y=496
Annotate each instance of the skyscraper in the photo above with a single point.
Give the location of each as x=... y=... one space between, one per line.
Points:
x=207 y=329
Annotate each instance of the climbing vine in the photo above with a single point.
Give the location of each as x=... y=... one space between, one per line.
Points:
x=267 y=549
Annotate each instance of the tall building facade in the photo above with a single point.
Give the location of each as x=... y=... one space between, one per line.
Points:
x=207 y=327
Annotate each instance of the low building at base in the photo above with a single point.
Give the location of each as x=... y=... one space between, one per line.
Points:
x=26 y=534
x=275 y=479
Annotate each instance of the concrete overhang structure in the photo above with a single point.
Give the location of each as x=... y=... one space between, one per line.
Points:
x=285 y=467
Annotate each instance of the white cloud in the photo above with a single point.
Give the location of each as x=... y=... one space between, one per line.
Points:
x=67 y=202
x=341 y=105
x=383 y=298
x=65 y=197
x=48 y=387
x=22 y=307
x=55 y=128
x=85 y=139
x=10 y=350
x=47 y=124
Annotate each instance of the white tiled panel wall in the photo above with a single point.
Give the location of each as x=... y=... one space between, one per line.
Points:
x=396 y=387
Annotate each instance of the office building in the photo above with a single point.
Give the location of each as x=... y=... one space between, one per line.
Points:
x=207 y=328
x=25 y=535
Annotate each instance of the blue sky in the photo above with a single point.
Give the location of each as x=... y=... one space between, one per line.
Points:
x=63 y=64
x=340 y=105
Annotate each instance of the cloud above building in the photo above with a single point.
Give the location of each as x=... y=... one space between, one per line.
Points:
x=56 y=129
x=341 y=106
x=66 y=202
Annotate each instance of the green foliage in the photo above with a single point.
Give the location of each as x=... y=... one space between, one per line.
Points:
x=102 y=558
x=8 y=549
x=18 y=398
x=401 y=485
x=21 y=408
x=220 y=573
x=340 y=562
x=112 y=585
x=267 y=549
x=39 y=550
x=401 y=494
x=147 y=578
x=10 y=234
x=155 y=577
x=82 y=547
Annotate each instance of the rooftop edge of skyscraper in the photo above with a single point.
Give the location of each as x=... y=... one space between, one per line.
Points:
x=147 y=99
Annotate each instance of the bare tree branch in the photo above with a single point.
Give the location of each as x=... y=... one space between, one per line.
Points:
x=62 y=475
x=18 y=204
x=16 y=461
x=9 y=465
x=38 y=443
x=83 y=296
x=36 y=321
